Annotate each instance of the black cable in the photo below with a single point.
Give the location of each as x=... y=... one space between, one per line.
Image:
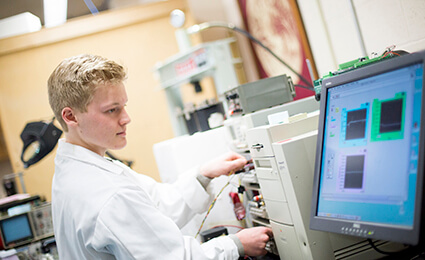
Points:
x=250 y=36
x=197 y=28
x=305 y=87
x=372 y=244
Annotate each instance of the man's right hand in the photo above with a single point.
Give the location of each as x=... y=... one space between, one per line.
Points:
x=254 y=240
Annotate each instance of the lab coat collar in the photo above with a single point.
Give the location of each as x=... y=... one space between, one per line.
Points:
x=82 y=154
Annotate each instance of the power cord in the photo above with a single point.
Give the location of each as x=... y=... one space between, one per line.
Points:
x=372 y=244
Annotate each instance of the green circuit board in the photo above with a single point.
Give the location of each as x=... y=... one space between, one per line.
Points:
x=351 y=65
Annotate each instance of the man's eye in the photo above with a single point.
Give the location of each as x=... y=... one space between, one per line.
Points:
x=112 y=110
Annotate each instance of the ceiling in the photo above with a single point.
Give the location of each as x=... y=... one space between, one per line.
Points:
x=75 y=7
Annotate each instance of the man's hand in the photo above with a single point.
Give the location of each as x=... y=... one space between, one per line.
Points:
x=223 y=165
x=254 y=240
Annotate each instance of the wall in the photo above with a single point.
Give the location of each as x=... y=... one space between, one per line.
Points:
x=136 y=37
x=341 y=31
x=337 y=30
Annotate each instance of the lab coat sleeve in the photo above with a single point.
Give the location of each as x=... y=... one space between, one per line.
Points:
x=180 y=201
x=131 y=227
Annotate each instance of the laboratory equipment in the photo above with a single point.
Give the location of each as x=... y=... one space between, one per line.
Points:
x=216 y=59
x=236 y=126
x=275 y=209
x=283 y=157
x=369 y=167
x=9 y=184
x=200 y=118
x=27 y=227
x=213 y=232
x=355 y=64
x=179 y=154
x=39 y=139
x=260 y=94
x=211 y=59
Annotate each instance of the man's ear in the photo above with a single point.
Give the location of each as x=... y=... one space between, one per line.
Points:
x=68 y=115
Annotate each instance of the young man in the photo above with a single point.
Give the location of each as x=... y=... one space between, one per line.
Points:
x=104 y=210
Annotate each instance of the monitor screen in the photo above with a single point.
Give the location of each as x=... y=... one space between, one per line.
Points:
x=16 y=229
x=369 y=161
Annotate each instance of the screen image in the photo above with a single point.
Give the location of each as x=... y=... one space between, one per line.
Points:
x=356 y=124
x=354 y=172
x=16 y=228
x=369 y=156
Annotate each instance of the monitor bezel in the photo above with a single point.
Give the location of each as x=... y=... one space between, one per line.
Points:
x=392 y=233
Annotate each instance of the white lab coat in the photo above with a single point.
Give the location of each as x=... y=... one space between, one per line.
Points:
x=104 y=210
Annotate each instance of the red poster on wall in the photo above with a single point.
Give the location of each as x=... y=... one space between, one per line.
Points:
x=277 y=25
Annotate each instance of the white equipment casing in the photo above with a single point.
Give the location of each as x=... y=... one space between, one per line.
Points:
x=237 y=126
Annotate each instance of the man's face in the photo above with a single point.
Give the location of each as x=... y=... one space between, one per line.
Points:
x=103 y=126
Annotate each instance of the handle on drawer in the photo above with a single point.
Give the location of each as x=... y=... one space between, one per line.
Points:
x=258 y=147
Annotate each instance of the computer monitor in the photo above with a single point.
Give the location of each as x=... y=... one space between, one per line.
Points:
x=369 y=168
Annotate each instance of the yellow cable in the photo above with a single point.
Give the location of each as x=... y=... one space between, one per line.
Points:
x=212 y=205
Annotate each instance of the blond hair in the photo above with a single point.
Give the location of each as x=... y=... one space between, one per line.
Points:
x=74 y=81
